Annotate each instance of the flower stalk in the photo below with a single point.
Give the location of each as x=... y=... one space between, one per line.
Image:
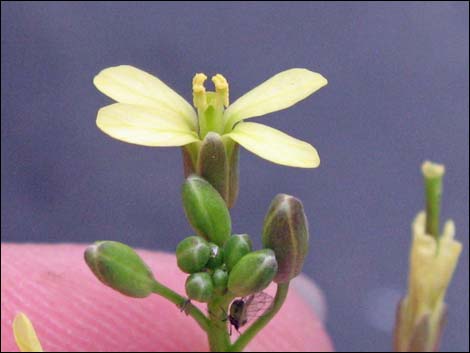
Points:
x=245 y=338
x=182 y=303
x=217 y=333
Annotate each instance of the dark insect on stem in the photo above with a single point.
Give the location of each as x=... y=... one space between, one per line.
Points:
x=184 y=306
x=245 y=309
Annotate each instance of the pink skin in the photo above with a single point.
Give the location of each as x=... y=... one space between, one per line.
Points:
x=72 y=311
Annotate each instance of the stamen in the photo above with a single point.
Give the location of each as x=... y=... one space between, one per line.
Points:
x=199 y=91
x=221 y=88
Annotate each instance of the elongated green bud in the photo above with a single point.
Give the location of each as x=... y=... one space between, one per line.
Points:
x=235 y=248
x=213 y=164
x=192 y=254
x=252 y=273
x=216 y=257
x=220 y=279
x=119 y=267
x=285 y=231
x=206 y=210
x=199 y=287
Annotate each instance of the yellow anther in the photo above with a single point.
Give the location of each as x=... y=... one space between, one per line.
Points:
x=221 y=88
x=199 y=91
x=199 y=79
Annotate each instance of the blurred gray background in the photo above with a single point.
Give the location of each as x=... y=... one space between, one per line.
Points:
x=397 y=94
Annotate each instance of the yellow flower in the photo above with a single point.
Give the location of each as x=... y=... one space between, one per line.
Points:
x=25 y=335
x=431 y=267
x=422 y=313
x=150 y=113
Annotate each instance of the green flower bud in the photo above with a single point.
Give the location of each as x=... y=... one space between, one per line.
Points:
x=252 y=273
x=192 y=254
x=119 y=267
x=199 y=287
x=235 y=248
x=216 y=258
x=220 y=279
x=206 y=210
x=285 y=231
x=213 y=164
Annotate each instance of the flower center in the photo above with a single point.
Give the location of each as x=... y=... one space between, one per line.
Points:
x=210 y=105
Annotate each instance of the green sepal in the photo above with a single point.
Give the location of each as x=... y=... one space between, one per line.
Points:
x=233 y=156
x=190 y=154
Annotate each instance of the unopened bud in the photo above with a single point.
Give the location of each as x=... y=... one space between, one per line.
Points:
x=253 y=273
x=119 y=267
x=199 y=287
x=213 y=164
x=220 y=279
x=235 y=248
x=216 y=257
x=206 y=210
x=192 y=254
x=285 y=231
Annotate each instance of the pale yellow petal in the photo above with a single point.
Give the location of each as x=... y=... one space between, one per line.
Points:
x=25 y=335
x=143 y=126
x=128 y=84
x=279 y=92
x=431 y=265
x=275 y=146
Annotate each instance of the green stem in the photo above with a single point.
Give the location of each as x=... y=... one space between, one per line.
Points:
x=433 y=174
x=182 y=302
x=219 y=340
x=262 y=321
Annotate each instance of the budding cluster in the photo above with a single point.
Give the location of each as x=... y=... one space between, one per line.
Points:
x=219 y=262
x=216 y=261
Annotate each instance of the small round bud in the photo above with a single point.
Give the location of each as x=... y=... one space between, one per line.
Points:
x=192 y=254
x=285 y=231
x=252 y=273
x=199 y=287
x=206 y=210
x=220 y=279
x=235 y=248
x=216 y=257
x=119 y=267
